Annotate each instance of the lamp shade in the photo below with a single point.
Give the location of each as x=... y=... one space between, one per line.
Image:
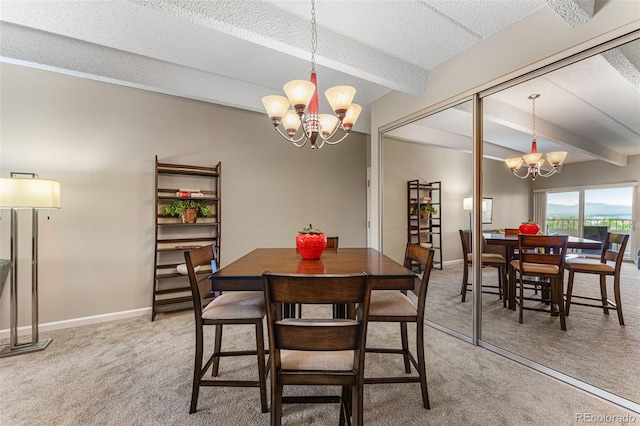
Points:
x=29 y=193
x=351 y=116
x=514 y=163
x=291 y=122
x=276 y=106
x=340 y=98
x=556 y=158
x=299 y=93
x=328 y=123
x=467 y=203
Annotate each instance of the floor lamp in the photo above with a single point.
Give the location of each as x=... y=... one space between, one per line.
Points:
x=467 y=204
x=26 y=191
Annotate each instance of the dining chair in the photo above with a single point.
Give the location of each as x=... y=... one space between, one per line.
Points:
x=318 y=351
x=396 y=306
x=488 y=259
x=236 y=307
x=541 y=257
x=511 y=232
x=612 y=251
x=332 y=243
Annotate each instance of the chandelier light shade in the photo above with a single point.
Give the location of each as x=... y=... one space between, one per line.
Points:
x=534 y=159
x=302 y=96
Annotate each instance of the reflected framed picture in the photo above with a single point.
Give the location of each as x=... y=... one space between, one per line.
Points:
x=487 y=209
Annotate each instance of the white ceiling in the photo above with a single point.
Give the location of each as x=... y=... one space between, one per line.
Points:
x=235 y=52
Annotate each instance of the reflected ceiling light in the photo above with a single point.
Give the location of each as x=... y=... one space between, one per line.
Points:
x=303 y=96
x=534 y=159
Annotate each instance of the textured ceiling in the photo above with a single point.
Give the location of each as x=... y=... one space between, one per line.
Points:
x=235 y=52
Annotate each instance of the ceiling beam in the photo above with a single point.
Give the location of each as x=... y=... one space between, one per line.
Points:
x=513 y=118
x=573 y=12
x=287 y=33
x=429 y=136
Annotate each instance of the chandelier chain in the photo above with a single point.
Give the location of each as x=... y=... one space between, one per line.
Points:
x=314 y=36
x=534 y=117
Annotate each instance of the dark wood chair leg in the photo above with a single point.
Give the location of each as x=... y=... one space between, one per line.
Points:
x=603 y=294
x=217 y=346
x=505 y=285
x=262 y=374
x=343 y=408
x=357 y=410
x=569 y=292
x=197 y=373
x=521 y=300
x=422 y=370
x=616 y=292
x=557 y=290
x=512 y=289
x=346 y=406
x=276 y=403
x=465 y=281
x=405 y=347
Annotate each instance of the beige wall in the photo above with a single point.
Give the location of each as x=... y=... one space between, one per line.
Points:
x=99 y=140
x=405 y=161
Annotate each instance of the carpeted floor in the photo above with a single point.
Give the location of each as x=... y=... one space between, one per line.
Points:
x=137 y=372
x=594 y=349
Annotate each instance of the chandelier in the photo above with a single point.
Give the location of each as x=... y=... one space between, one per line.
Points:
x=534 y=159
x=303 y=95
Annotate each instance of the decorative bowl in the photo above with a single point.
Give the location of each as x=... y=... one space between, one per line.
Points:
x=529 y=228
x=311 y=246
x=182 y=269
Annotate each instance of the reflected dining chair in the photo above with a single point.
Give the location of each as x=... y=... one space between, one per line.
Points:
x=318 y=351
x=236 y=307
x=541 y=257
x=332 y=243
x=488 y=259
x=612 y=251
x=396 y=306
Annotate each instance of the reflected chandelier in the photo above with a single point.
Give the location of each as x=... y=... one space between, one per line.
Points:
x=534 y=159
x=303 y=95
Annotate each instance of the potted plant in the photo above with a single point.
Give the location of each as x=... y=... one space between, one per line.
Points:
x=311 y=242
x=187 y=209
x=426 y=210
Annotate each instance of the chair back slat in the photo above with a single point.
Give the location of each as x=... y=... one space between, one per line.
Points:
x=465 y=240
x=424 y=257
x=316 y=289
x=200 y=288
x=317 y=338
x=613 y=248
x=543 y=249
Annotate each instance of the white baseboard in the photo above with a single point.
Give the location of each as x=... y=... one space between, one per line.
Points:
x=76 y=322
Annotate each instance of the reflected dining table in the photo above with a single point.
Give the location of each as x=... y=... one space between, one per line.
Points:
x=511 y=242
x=245 y=274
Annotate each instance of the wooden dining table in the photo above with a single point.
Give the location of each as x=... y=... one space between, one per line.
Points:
x=511 y=242
x=246 y=272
